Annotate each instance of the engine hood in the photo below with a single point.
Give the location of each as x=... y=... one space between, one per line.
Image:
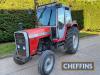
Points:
x=38 y=32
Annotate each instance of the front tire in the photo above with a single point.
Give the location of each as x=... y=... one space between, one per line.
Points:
x=46 y=62
x=72 y=40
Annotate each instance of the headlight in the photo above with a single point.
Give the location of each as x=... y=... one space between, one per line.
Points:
x=18 y=46
x=24 y=48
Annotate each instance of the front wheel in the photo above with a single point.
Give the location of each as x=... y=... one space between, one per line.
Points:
x=72 y=40
x=46 y=62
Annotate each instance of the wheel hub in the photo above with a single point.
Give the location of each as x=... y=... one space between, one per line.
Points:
x=75 y=41
x=48 y=64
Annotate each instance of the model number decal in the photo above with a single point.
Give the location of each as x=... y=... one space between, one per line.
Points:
x=40 y=34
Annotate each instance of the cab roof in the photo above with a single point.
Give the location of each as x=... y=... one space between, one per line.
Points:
x=57 y=5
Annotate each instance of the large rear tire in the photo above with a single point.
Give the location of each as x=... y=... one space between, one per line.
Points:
x=46 y=62
x=72 y=40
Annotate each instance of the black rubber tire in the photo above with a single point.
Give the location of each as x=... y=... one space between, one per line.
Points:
x=69 y=40
x=42 y=61
x=18 y=61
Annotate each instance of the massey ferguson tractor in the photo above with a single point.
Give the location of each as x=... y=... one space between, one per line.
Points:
x=55 y=29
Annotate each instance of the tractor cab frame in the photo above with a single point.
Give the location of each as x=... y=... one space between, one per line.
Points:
x=57 y=17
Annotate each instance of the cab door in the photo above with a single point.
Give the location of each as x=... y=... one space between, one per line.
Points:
x=60 y=23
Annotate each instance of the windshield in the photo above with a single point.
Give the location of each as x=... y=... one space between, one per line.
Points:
x=47 y=16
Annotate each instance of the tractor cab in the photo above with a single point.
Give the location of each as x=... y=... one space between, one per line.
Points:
x=55 y=16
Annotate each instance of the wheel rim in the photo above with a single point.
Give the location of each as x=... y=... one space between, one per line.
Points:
x=75 y=41
x=48 y=64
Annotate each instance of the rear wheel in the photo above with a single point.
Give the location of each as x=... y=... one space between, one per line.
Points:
x=46 y=62
x=72 y=40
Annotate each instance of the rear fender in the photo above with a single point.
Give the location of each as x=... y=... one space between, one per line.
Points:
x=75 y=24
x=72 y=24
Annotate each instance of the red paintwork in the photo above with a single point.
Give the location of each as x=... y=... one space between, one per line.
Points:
x=33 y=45
x=58 y=40
x=37 y=30
x=33 y=42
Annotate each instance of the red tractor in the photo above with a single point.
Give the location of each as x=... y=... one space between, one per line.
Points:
x=55 y=29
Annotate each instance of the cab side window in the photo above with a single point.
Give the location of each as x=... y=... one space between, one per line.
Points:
x=68 y=18
x=61 y=17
